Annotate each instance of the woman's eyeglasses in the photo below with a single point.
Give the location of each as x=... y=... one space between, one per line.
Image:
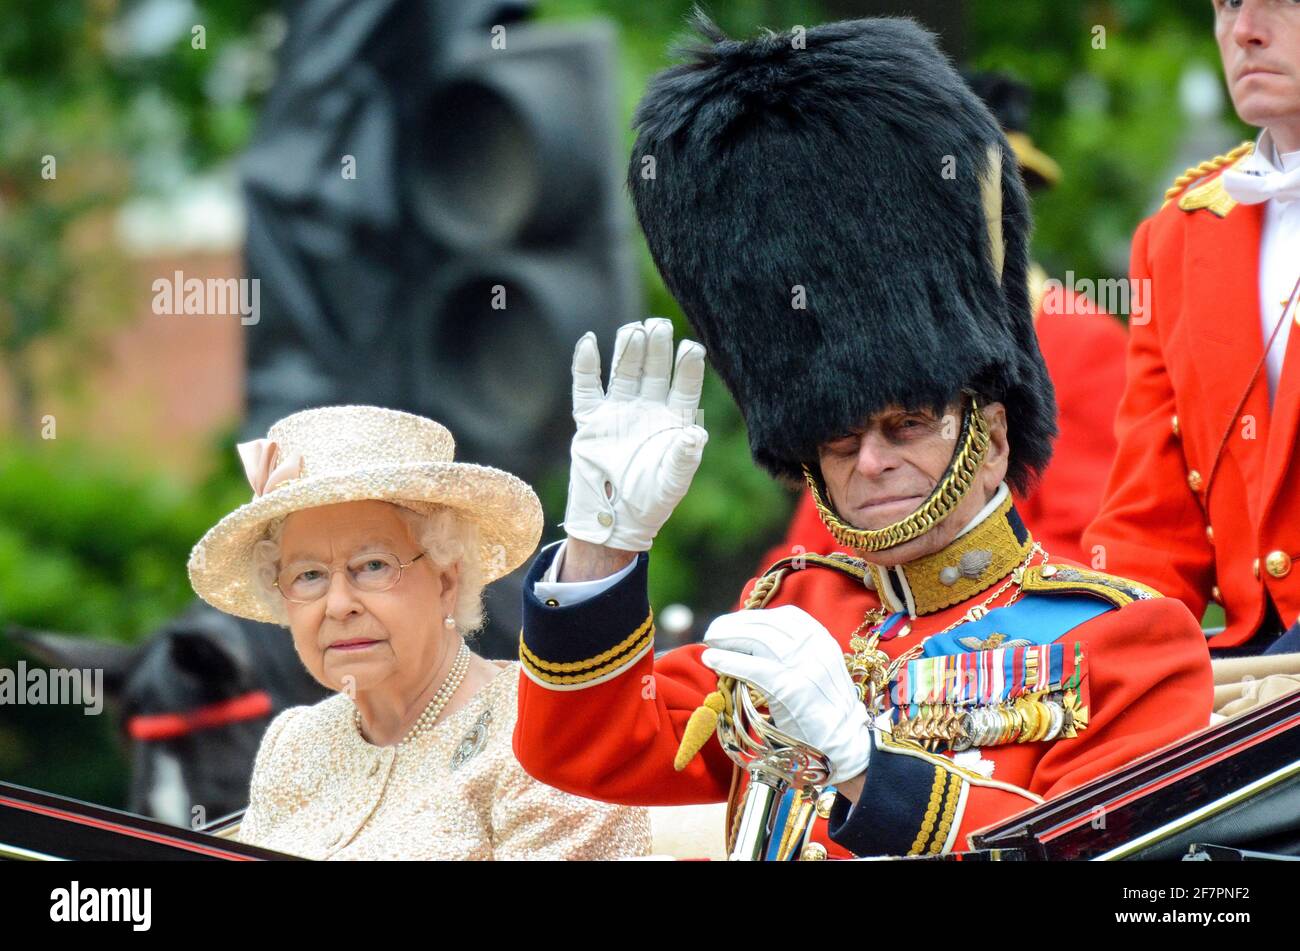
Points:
x=305 y=582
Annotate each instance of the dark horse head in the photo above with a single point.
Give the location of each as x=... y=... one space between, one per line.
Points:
x=193 y=701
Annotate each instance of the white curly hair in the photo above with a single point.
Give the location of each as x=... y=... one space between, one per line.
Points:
x=447 y=538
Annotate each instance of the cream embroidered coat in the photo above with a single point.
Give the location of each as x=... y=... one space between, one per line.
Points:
x=321 y=791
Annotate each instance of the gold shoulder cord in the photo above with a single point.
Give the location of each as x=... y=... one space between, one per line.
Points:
x=940 y=504
x=1205 y=168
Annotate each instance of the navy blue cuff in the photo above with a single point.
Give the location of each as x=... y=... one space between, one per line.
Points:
x=589 y=642
x=907 y=807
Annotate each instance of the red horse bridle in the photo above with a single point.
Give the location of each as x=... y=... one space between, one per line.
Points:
x=168 y=726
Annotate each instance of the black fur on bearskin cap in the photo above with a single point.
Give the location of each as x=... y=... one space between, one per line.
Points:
x=823 y=167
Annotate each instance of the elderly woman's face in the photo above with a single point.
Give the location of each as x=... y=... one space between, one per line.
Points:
x=351 y=639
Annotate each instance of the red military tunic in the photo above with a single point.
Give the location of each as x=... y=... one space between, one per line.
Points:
x=1084 y=352
x=602 y=717
x=1195 y=384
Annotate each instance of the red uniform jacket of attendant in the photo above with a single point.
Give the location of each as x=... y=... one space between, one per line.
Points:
x=1193 y=392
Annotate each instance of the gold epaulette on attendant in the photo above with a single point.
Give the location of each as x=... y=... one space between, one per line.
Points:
x=1067 y=579
x=1210 y=195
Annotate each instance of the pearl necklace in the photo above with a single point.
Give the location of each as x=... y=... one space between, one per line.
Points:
x=425 y=723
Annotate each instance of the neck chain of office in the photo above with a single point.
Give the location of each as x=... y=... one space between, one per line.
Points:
x=455 y=676
x=941 y=502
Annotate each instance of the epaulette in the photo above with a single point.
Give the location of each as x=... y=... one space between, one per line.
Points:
x=1067 y=579
x=1210 y=195
x=770 y=580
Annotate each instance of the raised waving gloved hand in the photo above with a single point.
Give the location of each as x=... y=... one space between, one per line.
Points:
x=637 y=446
x=799 y=667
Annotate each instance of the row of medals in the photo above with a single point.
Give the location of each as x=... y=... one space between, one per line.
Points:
x=1032 y=718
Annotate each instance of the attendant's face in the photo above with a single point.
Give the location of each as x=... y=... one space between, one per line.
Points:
x=353 y=640
x=1259 y=41
x=882 y=471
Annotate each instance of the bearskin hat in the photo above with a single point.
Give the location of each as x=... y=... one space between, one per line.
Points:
x=843 y=223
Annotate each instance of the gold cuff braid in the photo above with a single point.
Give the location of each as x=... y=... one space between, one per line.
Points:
x=955 y=483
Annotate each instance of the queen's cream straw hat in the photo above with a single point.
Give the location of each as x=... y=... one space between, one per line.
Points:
x=347 y=454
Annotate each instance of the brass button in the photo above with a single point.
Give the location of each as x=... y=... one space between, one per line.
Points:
x=1255 y=568
x=813 y=852
x=605 y=519
x=824 y=803
x=1173 y=421
x=552 y=603
x=1278 y=564
x=1209 y=532
x=1194 y=480
x=1216 y=594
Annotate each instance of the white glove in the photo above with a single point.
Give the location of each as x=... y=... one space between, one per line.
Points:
x=797 y=665
x=636 y=448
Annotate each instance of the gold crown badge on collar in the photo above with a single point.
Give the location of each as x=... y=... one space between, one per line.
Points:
x=967 y=566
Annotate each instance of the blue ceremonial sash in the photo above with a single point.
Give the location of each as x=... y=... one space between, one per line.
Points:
x=1039 y=619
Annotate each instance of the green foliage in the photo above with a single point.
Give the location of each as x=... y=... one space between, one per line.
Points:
x=82 y=74
x=89 y=546
x=1110 y=116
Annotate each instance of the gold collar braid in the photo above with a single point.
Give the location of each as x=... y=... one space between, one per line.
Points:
x=941 y=502
x=969 y=566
